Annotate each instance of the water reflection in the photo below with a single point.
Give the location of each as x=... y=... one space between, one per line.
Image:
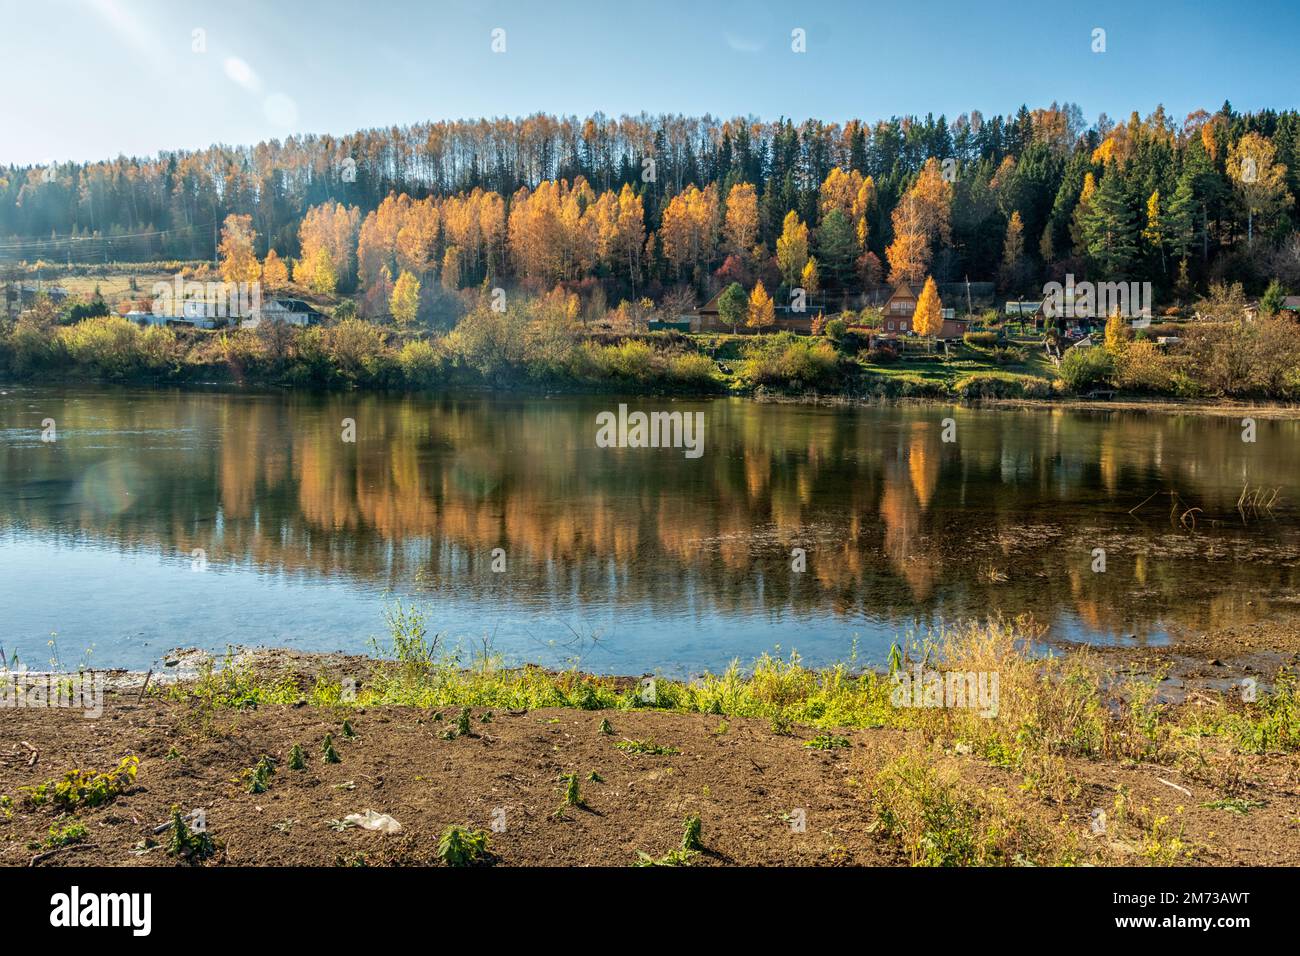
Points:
x=675 y=563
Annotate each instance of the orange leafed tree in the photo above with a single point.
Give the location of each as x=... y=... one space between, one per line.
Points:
x=275 y=274
x=921 y=216
x=238 y=260
x=690 y=228
x=328 y=237
x=620 y=231
x=928 y=318
x=740 y=228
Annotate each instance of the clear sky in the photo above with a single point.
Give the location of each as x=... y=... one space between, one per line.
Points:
x=89 y=79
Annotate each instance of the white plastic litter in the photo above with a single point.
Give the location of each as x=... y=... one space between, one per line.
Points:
x=370 y=820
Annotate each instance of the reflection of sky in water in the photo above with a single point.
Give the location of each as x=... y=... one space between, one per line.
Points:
x=132 y=607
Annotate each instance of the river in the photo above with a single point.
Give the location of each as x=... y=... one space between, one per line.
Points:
x=143 y=520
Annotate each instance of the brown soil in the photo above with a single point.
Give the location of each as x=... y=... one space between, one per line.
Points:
x=736 y=774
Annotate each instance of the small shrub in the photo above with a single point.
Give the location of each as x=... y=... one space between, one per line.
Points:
x=988 y=386
x=328 y=752
x=980 y=340
x=788 y=361
x=260 y=776
x=571 y=797
x=85 y=787
x=64 y=836
x=187 y=844
x=691 y=368
x=691 y=835
x=461 y=847
x=1084 y=368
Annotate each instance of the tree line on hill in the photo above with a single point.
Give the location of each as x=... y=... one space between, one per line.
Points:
x=636 y=207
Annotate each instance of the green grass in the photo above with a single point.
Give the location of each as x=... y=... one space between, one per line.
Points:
x=1050 y=708
x=909 y=373
x=646 y=748
x=1234 y=805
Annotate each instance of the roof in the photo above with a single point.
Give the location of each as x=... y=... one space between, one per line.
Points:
x=1291 y=302
x=296 y=305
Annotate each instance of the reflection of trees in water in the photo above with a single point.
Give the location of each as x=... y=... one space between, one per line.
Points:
x=895 y=522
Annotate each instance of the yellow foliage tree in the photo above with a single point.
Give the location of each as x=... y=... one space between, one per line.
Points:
x=921 y=216
x=792 y=249
x=317 y=272
x=740 y=225
x=928 y=318
x=762 y=312
x=238 y=260
x=328 y=237
x=810 y=280
x=451 y=268
x=275 y=273
x=690 y=228
x=1259 y=181
x=1116 y=333
x=405 y=300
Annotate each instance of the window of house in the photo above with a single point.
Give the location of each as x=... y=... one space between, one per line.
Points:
x=889 y=326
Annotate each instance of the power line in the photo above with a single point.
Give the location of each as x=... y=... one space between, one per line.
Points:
x=47 y=243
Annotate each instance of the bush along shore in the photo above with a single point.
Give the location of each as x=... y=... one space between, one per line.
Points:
x=966 y=750
x=539 y=344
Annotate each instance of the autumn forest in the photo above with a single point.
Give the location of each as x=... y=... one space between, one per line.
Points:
x=652 y=206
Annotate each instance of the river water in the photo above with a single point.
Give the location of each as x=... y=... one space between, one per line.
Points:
x=156 y=519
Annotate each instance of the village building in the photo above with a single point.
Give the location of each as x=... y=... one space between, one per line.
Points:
x=286 y=312
x=20 y=296
x=707 y=318
x=900 y=308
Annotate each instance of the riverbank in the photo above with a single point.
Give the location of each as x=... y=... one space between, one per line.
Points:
x=530 y=353
x=1084 y=762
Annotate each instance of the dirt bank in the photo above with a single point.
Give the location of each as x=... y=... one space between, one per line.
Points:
x=763 y=797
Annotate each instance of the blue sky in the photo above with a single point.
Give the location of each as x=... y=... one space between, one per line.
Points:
x=87 y=79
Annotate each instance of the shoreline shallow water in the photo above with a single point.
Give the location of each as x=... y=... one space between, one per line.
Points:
x=599 y=776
